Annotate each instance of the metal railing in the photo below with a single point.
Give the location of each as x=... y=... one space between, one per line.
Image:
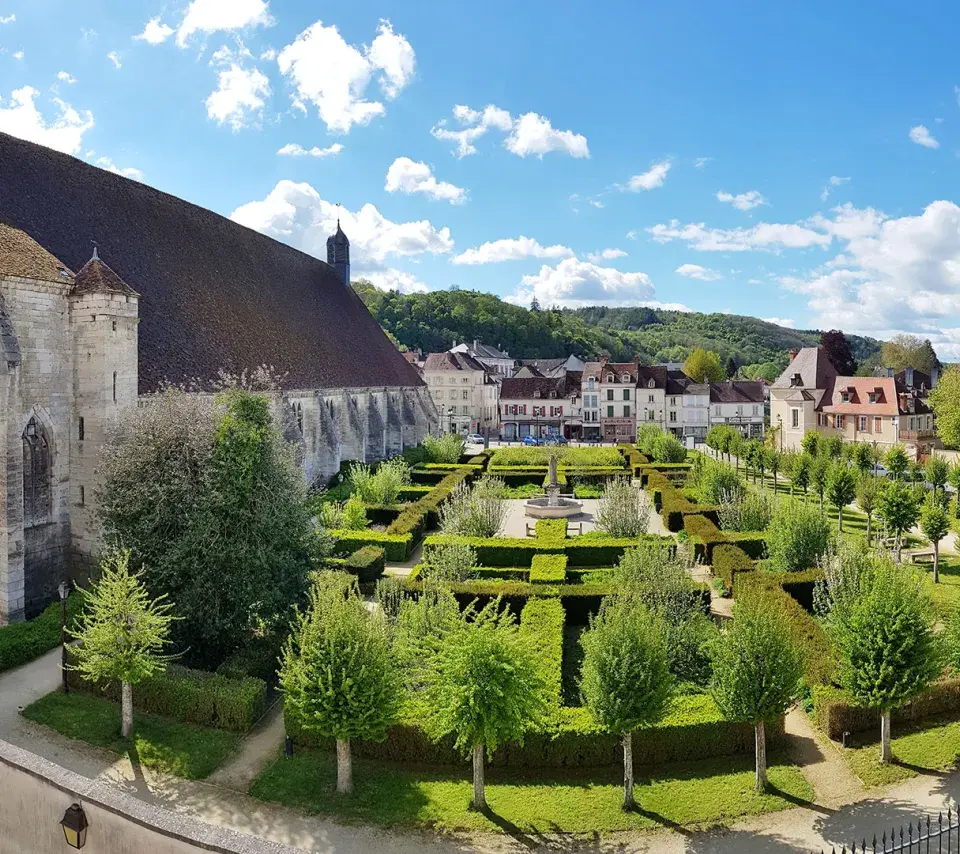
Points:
x=941 y=835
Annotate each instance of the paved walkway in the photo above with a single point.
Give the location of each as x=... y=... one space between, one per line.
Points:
x=803 y=829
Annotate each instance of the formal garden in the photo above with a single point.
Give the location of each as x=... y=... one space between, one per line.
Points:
x=443 y=661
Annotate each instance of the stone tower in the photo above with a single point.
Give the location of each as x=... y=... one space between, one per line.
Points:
x=104 y=313
x=338 y=254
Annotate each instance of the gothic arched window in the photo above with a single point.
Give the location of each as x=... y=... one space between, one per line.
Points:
x=37 y=474
x=298 y=415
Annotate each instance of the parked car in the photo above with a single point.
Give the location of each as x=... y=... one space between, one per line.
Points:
x=474 y=439
x=555 y=440
x=532 y=440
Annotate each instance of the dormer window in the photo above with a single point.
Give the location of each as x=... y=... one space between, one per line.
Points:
x=625 y=378
x=536 y=393
x=651 y=383
x=872 y=397
x=553 y=394
x=611 y=378
x=845 y=396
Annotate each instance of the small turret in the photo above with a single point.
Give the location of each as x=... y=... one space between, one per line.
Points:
x=338 y=254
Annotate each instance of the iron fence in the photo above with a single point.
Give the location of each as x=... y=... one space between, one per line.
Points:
x=940 y=835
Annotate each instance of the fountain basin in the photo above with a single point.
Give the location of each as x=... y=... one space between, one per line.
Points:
x=552 y=507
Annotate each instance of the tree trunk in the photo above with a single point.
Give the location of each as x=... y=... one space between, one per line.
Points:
x=899 y=547
x=628 y=802
x=760 y=737
x=936 y=562
x=344 y=767
x=840 y=520
x=479 y=793
x=126 y=709
x=885 y=753
x=868 y=529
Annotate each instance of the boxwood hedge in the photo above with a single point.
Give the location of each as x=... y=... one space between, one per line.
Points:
x=23 y=642
x=541 y=623
x=551 y=529
x=548 y=569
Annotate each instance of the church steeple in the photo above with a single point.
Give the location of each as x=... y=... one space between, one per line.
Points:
x=338 y=254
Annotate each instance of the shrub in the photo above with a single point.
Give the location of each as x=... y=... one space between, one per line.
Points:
x=667 y=448
x=752 y=513
x=569 y=457
x=330 y=515
x=193 y=696
x=548 y=569
x=647 y=434
x=396 y=546
x=476 y=511
x=798 y=537
x=382 y=486
x=717 y=483
x=551 y=529
x=354 y=514
x=422 y=514
x=451 y=562
x=447 y=449
x=623 y=511
x=541 y=625
x=728 y=562
x=366 y=563
x=23 y=642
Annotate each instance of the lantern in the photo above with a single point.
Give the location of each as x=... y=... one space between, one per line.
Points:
x=74 y=824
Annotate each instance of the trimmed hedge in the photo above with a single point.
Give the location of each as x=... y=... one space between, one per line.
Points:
x=23 y=642
x=191 y=696
x=422 y=515
x=541 y=623
x=367 y=564
x=729 y=561
x=580 y=551
x=835 y=713
x=382 y=514
x=548 y=569
x=693 y=729
x=551 y=529
x=397 y=547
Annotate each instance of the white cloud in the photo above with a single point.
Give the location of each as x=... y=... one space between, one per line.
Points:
x=833 y=182
x=154 y=32
x=392 y=279
x=533 y=134
x=18 y=55
x=743 y=201
x=651 y=179
x=595 y=203
x=239 y=97
x=779 y=321
x=695 y=271
x=8 y=19
x=700 y=162
x=605 y=255
x=114 y=57
x=763 y=236
x=128 y=172
x=291 y=149
x=64 y=77
x=334 y=75
x=573 y=283
x=296 y=214
x=511 y=249
x=529 y=134
x=410 y=176
x=210 y=16
x=632 y=234
x=921 y=136
x=269 y=55
x=20 y=117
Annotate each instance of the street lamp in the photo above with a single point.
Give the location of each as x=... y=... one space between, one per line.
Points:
x=780 y=429
x=451 y=411
x=63 y=590
x=74 y=824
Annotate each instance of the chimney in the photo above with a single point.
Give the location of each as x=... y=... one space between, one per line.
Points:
x=909 y=377
x=934 y=376
x=793 y=354
x=454 y=343
x=890 y=372
x=475 y=342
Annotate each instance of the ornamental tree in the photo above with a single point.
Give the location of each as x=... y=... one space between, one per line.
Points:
x=884 y=638
x=899 y=510
x=797 y=537
x=122 y=632
x=800 y=474
x=819 y=474
x=703 y=366
x=935 y=524
x=485 y=686
x=897 y=461
x=336 y=672
x=835 y=343
x=832 y=447
x=936 y=473
x=841 y=490
x=945 y=402
x=625 y=679
x=756 y=672
x=868 y=491
x=862 y=457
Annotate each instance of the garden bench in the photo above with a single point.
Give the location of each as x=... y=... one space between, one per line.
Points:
x=921 y=557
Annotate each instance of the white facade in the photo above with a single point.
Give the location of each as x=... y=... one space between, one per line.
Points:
x=466 y=399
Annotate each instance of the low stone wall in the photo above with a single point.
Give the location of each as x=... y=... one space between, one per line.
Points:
x=35 y=793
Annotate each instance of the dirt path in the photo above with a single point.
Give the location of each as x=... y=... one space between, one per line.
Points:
x=833 y=783
x=257 y=750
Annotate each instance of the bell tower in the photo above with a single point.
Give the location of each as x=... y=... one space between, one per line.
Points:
x=338 y=254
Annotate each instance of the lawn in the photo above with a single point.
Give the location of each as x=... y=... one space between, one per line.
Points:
x=930 y=746
x=177 y=748
x=697 y=794
x=946 y=594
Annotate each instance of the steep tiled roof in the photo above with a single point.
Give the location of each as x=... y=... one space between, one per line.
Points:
x=519 y=388
x=736 y=391
x=21 y=255
x=451 y=362
x=97 y=277
x=213 y=294
x=891 y=398
x=812 y=365
x=657 y=373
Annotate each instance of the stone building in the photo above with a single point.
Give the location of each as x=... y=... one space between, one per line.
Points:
x=108 y=290
x=617 y=396
x=540 y=407
x=463 y=390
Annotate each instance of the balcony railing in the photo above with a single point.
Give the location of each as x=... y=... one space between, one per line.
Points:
x=918 y=434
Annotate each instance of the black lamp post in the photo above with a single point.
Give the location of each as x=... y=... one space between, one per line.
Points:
x=63 y=590
x=74 y=824
x=450 y=413
x=780 y=430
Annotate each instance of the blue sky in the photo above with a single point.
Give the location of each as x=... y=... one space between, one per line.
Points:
x=793 y=161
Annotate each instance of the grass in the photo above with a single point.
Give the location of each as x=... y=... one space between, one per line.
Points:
x=699 y=794
x=176 y=748
x=946 y=594
x=927 y=747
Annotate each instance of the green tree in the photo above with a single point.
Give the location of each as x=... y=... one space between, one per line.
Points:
x=832 y=447
x=756 y=672
x=485 y=686
x=774 y=462
x=935 y=524
x=336 y=672
x=810 y=443
x=936 y=473
x=800 y=474
x=863 y=458
x=841 y=489
x=122 y=632
x=868 y=492
x=798 y=536
x=703 y=366
x=899 y=510
x=885 y=642
x=954 y=479
x=838 y=351
x=208 y=496
x=667 y=448
x=945 y=402
x=897 y=461
x=625 y=678
x=908 y=351
x=819 y=475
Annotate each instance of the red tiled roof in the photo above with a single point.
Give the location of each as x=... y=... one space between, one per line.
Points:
x=451 y=362
x=21 y=255
x=859 y=390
